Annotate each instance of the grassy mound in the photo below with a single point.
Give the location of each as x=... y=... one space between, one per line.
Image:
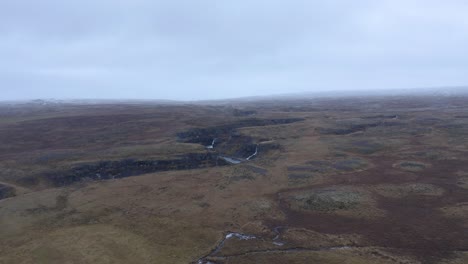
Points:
x=398 y=191
x=349 y=201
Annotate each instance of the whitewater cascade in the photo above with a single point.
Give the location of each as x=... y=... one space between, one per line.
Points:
x=212 y=144
x=255 y=153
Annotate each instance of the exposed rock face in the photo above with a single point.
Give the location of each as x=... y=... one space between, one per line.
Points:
x=125 y=168
x=228 y=142
x=205 y=136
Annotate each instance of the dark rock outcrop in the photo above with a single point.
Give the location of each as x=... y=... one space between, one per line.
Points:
x=205 y=136
x=104 y=170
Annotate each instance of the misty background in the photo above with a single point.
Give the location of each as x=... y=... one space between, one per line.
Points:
x=207 y=49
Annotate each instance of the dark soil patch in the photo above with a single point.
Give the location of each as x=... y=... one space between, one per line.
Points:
x=6 y=191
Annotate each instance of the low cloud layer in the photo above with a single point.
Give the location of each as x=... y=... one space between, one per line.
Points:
x=185 y=49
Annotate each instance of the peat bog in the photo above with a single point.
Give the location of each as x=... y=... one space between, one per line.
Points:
x=348 y=180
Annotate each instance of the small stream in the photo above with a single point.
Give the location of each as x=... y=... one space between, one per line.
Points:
x=275 y=241
x=220 y=245
x=240 y=236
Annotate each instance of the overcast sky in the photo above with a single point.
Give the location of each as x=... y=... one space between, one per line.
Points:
x=207 y=49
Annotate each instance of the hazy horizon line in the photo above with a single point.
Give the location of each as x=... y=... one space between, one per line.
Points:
x=439 y=90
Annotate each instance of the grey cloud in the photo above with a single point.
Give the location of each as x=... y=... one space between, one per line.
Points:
x=204 y=49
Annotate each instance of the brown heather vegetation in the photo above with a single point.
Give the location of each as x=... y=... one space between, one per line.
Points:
x=350 y=180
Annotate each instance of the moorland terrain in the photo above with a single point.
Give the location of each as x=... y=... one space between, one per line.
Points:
x=330 y=180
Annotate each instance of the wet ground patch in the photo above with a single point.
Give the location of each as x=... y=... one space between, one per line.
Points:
x=413 y=166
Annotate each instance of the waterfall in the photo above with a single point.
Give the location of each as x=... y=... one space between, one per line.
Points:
x=255 y=153
x=212 y=144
